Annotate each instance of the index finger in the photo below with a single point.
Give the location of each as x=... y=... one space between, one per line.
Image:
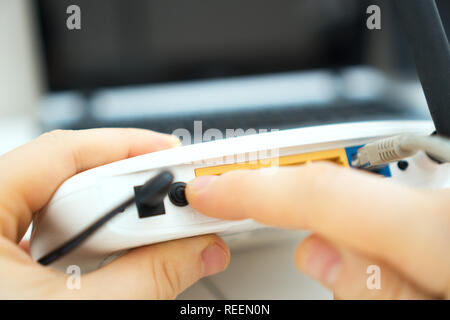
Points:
x=405 y=226
x=33 y=172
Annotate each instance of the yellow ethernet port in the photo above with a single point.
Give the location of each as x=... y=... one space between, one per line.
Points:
x=337 y=156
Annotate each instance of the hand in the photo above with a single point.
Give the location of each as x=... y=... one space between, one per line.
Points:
x=29 y=177
x=358 y=220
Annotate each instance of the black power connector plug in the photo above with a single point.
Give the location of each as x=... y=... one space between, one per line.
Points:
x=177 y=194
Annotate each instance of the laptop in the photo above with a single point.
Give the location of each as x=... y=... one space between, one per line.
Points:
x=251 y=65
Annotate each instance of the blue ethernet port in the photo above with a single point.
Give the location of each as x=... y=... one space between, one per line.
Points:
x=351 y=155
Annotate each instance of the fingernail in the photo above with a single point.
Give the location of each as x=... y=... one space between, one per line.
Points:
x=214 y=260
x=201 y=182
x=322 y=262
x=174 y=141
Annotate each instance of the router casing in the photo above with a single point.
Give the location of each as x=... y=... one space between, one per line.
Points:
x=87 y=196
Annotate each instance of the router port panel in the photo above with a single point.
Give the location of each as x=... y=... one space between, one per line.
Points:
x=338 y=156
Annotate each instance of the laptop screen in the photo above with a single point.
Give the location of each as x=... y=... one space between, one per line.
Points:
x=153 y=41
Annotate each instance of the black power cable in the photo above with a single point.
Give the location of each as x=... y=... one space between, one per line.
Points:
x=426 y=36
x=150 y=194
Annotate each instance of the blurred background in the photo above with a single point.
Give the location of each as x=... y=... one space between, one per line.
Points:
x=161 y=65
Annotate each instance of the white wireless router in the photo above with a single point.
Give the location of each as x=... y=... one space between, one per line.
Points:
x=84 y=198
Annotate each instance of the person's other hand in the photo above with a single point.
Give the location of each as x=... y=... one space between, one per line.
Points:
x=29 y=177
x=358 y=219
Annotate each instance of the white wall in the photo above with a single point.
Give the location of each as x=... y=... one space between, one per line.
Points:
x=19 y=59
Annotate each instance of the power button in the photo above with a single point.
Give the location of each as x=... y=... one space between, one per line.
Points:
x=177 y=194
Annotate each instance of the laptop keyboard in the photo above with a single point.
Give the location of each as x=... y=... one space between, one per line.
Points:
x=267 y=118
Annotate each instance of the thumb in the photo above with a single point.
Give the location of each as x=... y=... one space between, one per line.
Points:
x=160 y=271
